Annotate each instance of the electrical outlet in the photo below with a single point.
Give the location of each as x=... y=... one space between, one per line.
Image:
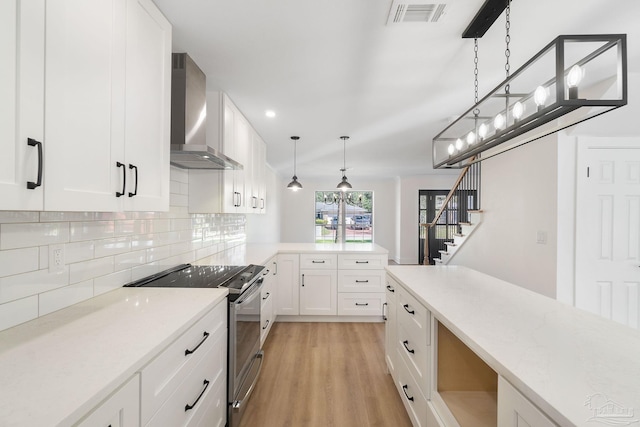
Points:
x=541 y=238
x=56 y=258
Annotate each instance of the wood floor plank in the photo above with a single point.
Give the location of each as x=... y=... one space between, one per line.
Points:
x=325 y=375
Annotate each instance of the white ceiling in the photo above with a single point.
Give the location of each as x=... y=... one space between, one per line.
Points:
x=334 y=67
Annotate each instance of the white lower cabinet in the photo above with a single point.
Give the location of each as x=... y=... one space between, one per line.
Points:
x=267 y=312
x=360 y=303
x=411 y=394
x=287 y=285
x=122 y=409
x=183 y=380
x=390 y=329
x=318 y=292
x=514 y=410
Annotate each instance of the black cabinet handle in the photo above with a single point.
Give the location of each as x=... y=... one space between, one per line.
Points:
x=266 y=325
x=404 y=389
x=135 y=188
x=384 y=311
x=275 y=269
x=362 y=281
x=406 y=307
x=405 y=343
x=362 y=262
x=124 y=179
x=261 y=203
x=362 y=305
x=303 y=280
x=239 y=199
x=254 y=202
x=30 y=184
x=187 y=406
x=266 y=296
x=205 y=336
x=265 y=272
x=317 y=262
x=390 y=288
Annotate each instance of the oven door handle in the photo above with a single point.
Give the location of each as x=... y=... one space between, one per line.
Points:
x=237 y=405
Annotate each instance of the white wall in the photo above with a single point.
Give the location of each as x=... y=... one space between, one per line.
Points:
x=265 y=228
x=519 y=200
x=103 y=250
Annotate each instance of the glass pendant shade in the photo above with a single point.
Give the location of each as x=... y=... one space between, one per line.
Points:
x=573 y=79
x=294 y=185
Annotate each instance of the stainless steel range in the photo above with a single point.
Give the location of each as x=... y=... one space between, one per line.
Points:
x=244 y=357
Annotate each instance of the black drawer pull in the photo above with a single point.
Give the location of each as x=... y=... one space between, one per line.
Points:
x=384 y=311
x=362 y=305
x=135 y=189
x=317 y=262
x=303 y=280
x=266 y=325
x=205 y=336
x=187 y=406
x=404 y=389
x=406 y=346
x=362 y=281
x=266 y=296
x=30 y=184
x=390 y=289
x=124 y=179
x=362 y=262
x=406 y=307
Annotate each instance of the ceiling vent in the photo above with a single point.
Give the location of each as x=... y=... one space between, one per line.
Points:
x=405 y=11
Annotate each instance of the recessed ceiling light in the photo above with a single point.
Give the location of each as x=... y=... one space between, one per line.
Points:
x=270 y=113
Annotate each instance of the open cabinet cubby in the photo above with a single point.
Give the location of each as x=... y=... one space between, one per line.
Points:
x=465 y=383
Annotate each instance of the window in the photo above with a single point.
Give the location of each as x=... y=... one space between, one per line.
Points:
x=356 y=222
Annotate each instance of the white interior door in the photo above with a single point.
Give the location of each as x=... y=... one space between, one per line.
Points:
x=608 y=229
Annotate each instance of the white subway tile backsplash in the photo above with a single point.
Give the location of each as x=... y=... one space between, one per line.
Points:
x=35 y=282
x=8 y=217
x=114 y=246
x=129 y=260
x=21 y=235
x=19 y=311
x=92 y=230
x=79 y=251
x=110 y=282
x=86 y=270
x=64 y=297
x=17 y=261
x=102 y=250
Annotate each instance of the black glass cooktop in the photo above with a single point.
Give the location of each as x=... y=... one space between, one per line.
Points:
x=235 y=278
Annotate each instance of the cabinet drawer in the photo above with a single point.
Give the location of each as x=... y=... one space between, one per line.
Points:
x=410 y=394
x=412 y=315
x=415 y=355
x=361 y=281
x=391 y=289
x=362 y=261
x=163 y=375
x=197 y=391
x=360 y=304
x=266 y=319
x=318 y=261
x=122 y=409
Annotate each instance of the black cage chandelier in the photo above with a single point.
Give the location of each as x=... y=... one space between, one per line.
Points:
x=574 y=78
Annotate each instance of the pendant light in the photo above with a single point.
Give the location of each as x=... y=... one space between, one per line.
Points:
x=294 y=184
x=344 y=184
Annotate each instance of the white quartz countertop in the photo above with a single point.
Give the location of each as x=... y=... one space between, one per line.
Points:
x=260 y=253
x=56 y=368
x=566 y=361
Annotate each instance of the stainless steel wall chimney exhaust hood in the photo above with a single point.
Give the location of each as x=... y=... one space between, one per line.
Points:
x=189 y=149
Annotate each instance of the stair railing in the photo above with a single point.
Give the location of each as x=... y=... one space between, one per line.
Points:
x=463 y=197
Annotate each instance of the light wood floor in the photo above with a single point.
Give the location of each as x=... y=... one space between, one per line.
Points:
x=325 y=375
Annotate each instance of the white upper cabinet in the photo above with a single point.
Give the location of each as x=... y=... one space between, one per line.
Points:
x=84 y=105
x=147 y=106
x=95 y=76
x=21 y=100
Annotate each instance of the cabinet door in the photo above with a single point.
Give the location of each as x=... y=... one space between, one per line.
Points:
x=318 y=292
x=287 y=289
x=514 y=410
x=241 y=142
x=21 y=101
x=147 y=107
x=84 y=104
x=390 y=330
x=122 y=409
x=231 y=197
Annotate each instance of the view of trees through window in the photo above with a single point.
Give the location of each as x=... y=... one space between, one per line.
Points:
x=357 y=218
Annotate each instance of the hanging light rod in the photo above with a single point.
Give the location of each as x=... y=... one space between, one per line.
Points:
x=344 y=184
x=572 y=79
x=294 y=184
x=484 y=19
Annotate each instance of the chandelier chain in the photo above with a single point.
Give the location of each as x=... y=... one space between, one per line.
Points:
x=475 y=69
x=507 y=40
